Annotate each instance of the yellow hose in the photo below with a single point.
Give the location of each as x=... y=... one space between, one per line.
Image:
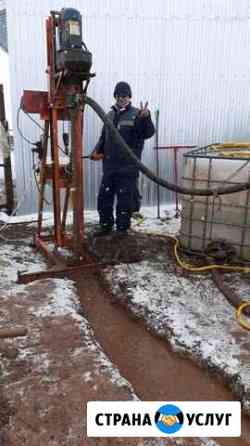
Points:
x=196 y=269
x=239 y=310
x=192 y=268
x=241 y=153
x=139 y=221
x=232 y=145
x=226 y=149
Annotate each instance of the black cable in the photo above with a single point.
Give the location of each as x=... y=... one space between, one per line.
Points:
x=36 y=180
x=39 y=190
x=32 y=119
x=151 y=175
x=62 y=150
x=37 y=124
x=19 y=130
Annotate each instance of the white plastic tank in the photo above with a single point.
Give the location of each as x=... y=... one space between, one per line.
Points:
x=224 y=217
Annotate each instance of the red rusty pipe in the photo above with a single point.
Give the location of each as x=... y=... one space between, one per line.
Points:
x=12 y=332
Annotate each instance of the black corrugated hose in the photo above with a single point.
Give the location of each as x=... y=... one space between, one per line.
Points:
x=160 y=181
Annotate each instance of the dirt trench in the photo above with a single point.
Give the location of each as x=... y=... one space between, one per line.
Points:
x=155 y=372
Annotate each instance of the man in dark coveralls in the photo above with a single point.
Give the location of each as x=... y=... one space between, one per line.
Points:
x=120 y=174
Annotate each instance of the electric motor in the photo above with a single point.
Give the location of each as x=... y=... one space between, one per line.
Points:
x=70 y=29
x=72 y=54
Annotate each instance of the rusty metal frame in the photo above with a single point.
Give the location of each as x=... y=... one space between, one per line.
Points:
x=190 y=228
x=54 y=106
x=207 y=199
x=175 y=149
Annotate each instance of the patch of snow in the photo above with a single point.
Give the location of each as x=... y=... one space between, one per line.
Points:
x=88 y=377
x=167 y=224
x=90 y=216
x=42 y=363
x=15 y=258
x=62 y=300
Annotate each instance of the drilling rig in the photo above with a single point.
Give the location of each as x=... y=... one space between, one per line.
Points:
x=68 y=68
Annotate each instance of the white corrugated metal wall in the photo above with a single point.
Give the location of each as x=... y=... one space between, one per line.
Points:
x=5 y=80
x=188 y=58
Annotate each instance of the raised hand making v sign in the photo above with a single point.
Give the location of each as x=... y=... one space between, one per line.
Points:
x=144 y=111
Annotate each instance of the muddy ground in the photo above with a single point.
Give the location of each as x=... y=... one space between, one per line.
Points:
x=107 y=334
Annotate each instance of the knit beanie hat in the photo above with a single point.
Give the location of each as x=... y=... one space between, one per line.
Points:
x=122 y=89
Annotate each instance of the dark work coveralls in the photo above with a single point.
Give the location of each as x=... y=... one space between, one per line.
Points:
x=119 y=172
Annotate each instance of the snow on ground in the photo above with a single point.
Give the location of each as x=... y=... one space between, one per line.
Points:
x=166 y=224
x=14 y=259
x=91 y=216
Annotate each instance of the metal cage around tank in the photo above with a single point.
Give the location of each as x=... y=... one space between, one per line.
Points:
x=217 y=218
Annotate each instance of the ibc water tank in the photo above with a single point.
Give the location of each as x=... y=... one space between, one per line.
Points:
x=224 y=217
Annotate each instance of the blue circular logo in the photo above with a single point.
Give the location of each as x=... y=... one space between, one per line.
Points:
x=169 y=419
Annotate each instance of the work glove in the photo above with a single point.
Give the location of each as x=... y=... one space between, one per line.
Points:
x=95 y=156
